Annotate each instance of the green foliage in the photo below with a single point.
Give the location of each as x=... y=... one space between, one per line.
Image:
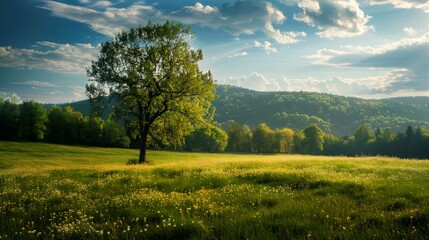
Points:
x=385 y=135
x=63 y=192
x=9 y=120
x=313 y=140
x=207 y=139
x=298 y=121
x=363 y=134
x=333 y=114
x=113 y=135
x=263 y=139
x=153 y=73
x=285 y=139
x=333 y=145
x=66 y=126
x=239 y=137
x=94 y=128
x=411 y=144
x=296 y=110
x=32 y=119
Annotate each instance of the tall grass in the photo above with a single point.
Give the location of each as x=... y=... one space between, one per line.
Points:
x=62 y=192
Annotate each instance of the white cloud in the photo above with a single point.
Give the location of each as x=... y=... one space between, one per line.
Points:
x=267 y=46
x=409 y=31
x=375 y=86
x=254 y=81
x=404 y=4
x=355 y=52
x=238 y=54
x=58 y=58
x=109 y=21
x=78 y=92
x=335 y=18
x=340 y=85
x=198 y=7
x=276 y=16
x=242 y=17
x=405 y=59
x=102 y=4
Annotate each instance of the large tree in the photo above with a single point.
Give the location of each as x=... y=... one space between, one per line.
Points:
x=154 y=74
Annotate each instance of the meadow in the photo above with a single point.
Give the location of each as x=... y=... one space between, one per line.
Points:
x=67 y=192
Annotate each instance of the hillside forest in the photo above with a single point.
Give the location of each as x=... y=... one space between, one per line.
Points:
x=248 y=122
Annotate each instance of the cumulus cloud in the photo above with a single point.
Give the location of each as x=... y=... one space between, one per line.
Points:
x=241 y=17
x=109 y=21
x=267 y=46
x=334 y=18
x=254 y=81
x=404 y=4
x=376 y=86
x=200 y=8
x=276 y=16
x=57 y=58
x=406 y=59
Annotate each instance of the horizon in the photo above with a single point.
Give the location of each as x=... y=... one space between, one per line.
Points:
x=247 y=89
x=370 y=49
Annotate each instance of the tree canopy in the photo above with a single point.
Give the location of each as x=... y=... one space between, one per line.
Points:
x=313 y=140
x=154 y=74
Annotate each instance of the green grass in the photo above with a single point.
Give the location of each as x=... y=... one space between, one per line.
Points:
x=64 y=192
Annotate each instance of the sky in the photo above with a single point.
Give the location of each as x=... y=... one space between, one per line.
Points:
x=361 y=48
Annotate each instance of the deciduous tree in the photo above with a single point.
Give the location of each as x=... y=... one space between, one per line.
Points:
x=263 y=139
x=32 y=121
x=313 y=140
x=154 y=74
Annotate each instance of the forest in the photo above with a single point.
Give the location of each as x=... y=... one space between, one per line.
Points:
x=250 y=127
x=31 y=121
x=338 y=115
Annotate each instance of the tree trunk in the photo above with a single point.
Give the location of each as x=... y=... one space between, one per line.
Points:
x=143 y=138
x=144 y=132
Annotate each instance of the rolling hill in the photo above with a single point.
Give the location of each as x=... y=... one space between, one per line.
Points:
x=334 y=114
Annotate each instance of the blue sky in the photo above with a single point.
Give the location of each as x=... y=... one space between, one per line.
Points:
x=362 y=48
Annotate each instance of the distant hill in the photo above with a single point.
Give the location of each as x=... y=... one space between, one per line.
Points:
x=335 y=114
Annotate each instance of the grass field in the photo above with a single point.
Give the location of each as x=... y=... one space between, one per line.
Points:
x=63 y=192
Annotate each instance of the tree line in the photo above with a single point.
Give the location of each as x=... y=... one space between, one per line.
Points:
x=333 y=114
x=31 y=121
x=312 y=140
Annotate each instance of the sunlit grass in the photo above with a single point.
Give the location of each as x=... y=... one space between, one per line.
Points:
x=64 y=192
